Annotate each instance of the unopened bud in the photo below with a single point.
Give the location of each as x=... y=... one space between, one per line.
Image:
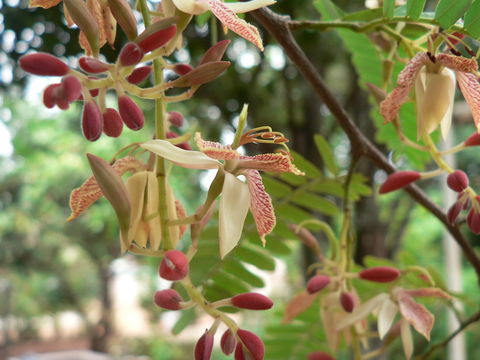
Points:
x=157 y=34
x=139 y=74
x=175 y=118
x=465 y=200
x=131 y=54
x=473 y=140
x=455 y=39
x=398 y=180
x=204 y=347
x=317 y=283
x=112 y=123
x=252 y=301
x=202 y=74
x=347 y=301
x=457 y=181
x=319 y=355
x=216 y=52
x=92 y=65
x=184 y=146
x=131 y=114
x=81 y=15
x=92 y=121
x=249 y=347
x=168 y=299
x=453 y=212
x=228 y=342
x=171 y=135
x=174 y=265
x=43 y=64
x=72 y=88
x=380 y=274
x=122 y=12
x=49 y=95
x=182 y=69
x=473 y=221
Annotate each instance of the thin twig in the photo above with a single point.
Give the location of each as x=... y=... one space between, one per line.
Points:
x=279 y=27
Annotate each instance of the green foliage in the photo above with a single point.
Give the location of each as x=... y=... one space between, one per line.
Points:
x=472 y=19
x=388 y=8
x=415 y=8
x=448 y=12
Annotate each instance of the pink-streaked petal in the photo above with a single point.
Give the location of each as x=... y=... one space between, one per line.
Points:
x=416 y=314
x=215 y=150
x=406 y=79
x=229 y=19
x=407 y=338
x=458 y=63
x=260 y=204
x=82 y=197
x=297 y=305
x=470 y=88
x=275 y=162
x=429 y=292
x=234 y=205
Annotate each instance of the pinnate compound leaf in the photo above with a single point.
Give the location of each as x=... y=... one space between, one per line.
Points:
x=327 y=154
x=388 y=8
x=448 y=11
x=472 y=19
x=415 y=8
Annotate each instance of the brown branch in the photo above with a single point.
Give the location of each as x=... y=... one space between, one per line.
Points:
x=278 y=27
x=472 y=319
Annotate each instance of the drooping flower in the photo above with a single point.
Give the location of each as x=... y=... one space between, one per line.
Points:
x=226 y=13
x=434 y=81
x=237 y=196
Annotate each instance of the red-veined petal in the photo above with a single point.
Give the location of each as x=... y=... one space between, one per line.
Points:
x=260 y=204
x=275 y=162
x=458 y=63
x=416 y=314
x=429 y=292
x=215 y=150
x=470 y=88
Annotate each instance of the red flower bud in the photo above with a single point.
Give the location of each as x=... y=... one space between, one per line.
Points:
x=182 y=69
x=131 y=114
x=319 y=355
x=156 y=39
x=171 y=135
x=473 y=221
x=92 y=121
x=453 y=212
x=250 y=347
x=112 y=123
x=317 y=283
x=456 y=39
x=92 y=65
x=228 y=342
x=49 y=95
x=398 y=180
x=43 y=64
x=131 y=54
x=72 y=88
x=347 y=301
x=184 y=146
x=204 y=347
x=381 y=274
x=174 y=265
x=464 y=200
x=168 y=299
x=175 y=118
x=251 y=301
x=139 y=74
x=215 y=53
x=473 y=140
x=457 y=181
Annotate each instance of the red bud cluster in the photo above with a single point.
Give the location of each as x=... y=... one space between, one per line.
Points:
x=249 y=347
x=457 y=181
x=347 y=301
x=112 y=123
x=380 y=274
x=92 y=65
x=175 y=118
x=204 y=347
x=228 y=342
x=43 y=64
x=252 y=301
x=131 y=54
x=168 y=299
x=317 y=283
x=156 y=39
x=92 y=121
x=398 y=180
x=182 y=69
x=473 y=221
x=139 y=74
x=473 y=140
x=131 y=114
x=174 y=265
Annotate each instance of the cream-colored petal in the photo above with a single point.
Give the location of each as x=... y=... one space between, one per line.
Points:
x=193 y=7
x=387 y=313
x=151 y=208
x=136 y=185
x=185 y=158
x=362 y=311
x=407 y=339
x=243 y=7
x=234 y=205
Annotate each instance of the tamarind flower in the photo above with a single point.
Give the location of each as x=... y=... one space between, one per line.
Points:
x=237 y=196
x=226 y=13
x=434 y=81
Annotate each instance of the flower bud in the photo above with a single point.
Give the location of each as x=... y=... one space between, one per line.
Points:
x=473 y=221
x=380 y=274
x=92 y=65
x=464 y=200
x=347 y=301
x=175 y=118
x=228 y=342
x=171 y=135
x=317 y=283
x=457 y=181
x=81 y=15
x=174 y=265
x=319 y=355
x=204 y=347
x=398 y=180
x=122 y=12
x=43 y=64
x=49 y=95
x=251 y=301
x=168 y=299
x=215 y=53
x=456 y=38
x=250 y=347
x=131 y=54
x=92 y=121
x=112 y=123
x=156 y=35
x=131 y=114
x=453 y=212
x=202 y=74
x=184 y=146
x=182 y=69
x=473 y=140
x=139 y=74
x=72 y=88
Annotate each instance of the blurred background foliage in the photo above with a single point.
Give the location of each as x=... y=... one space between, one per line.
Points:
x=48 y=266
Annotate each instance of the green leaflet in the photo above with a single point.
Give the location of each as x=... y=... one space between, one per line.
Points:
x=388 y=8
x=472 y=19
x=415 y=8
x=327 y=153
x=448 y=12
x=310 y=170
